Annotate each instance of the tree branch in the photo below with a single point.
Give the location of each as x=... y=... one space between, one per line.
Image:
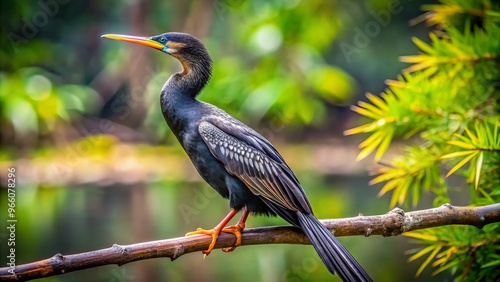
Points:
x=392 y=223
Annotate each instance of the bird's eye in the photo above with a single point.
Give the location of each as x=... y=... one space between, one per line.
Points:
x=163 y=39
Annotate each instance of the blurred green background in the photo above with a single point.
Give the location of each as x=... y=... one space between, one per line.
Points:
x=96 y=164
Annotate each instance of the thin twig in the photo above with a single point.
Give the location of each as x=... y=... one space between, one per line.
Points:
x=392 y=223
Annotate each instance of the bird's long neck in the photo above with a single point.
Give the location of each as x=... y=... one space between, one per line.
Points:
x=178 y=96
x=196 y=71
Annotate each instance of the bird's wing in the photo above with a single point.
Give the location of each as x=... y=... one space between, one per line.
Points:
x=252 y=159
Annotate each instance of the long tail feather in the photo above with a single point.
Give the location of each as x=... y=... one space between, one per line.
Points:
x=335 y=257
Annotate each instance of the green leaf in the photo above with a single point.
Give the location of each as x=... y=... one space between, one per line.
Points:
x=426 y=48
x=381 y=104
x=369 y=145
x=420 y=235
x=389 y=186
x=404 y=189
x=437 y=248
x=384 y=144
x=365 y=112
x=491 y=263
x=373 y=109
x=458 y=154
x=462 y=144
x=479 y=164
x=462 y=163
x=445 y=267
x=421 y=253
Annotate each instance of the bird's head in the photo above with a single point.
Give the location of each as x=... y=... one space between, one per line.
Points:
x=186 y=48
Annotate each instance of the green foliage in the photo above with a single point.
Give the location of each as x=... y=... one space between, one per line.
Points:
x=414 y=172
x=481 y=148
x=32 y=101
x=450 y=97
x=465 y=250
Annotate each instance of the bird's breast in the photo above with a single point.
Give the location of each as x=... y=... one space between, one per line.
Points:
x=209 y=168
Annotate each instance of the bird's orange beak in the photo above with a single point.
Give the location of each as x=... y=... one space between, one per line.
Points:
x=145 y=41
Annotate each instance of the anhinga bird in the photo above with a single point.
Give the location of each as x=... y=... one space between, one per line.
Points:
x=234 y=159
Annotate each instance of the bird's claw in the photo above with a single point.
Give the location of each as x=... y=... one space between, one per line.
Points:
x=212 y=232
x=234 y=229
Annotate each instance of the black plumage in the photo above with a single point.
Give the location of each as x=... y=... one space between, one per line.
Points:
x=239 y=163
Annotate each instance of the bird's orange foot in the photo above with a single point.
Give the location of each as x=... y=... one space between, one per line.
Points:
x=212 y=232
x=236 y=230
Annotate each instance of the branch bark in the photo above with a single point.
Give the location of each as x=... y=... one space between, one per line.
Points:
x=393 y=223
